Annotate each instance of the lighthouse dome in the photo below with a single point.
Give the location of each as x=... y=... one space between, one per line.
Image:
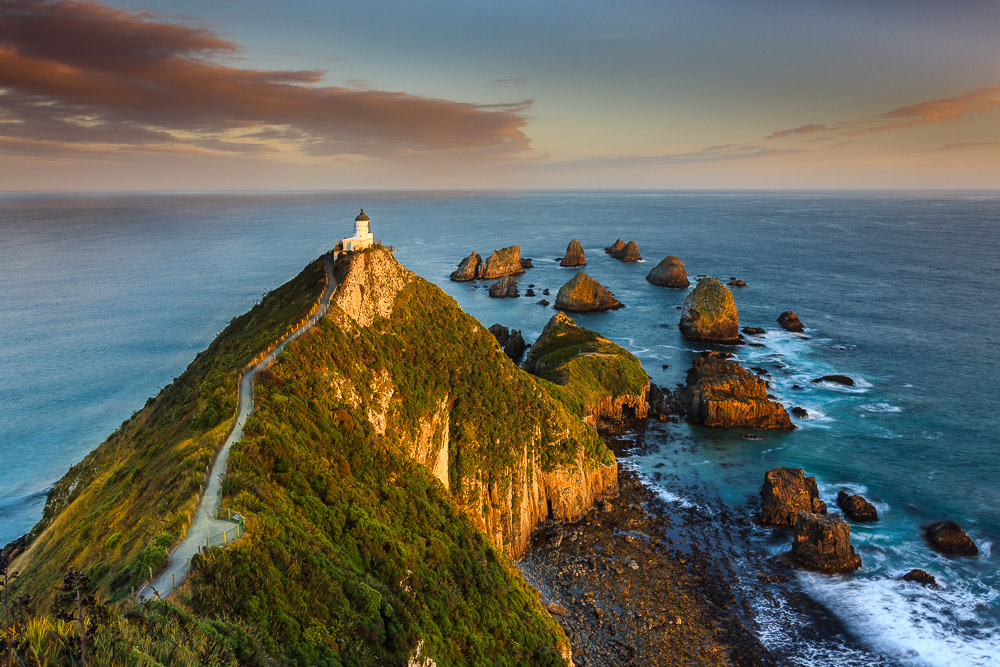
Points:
x=362 y=217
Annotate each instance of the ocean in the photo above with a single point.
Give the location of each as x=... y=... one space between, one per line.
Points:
x=107 y=297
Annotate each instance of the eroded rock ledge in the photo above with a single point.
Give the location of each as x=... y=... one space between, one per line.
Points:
x=722 y=393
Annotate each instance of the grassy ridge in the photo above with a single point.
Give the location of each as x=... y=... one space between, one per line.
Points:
x=116 y=513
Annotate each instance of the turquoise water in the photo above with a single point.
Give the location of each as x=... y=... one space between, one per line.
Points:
x=106 y=298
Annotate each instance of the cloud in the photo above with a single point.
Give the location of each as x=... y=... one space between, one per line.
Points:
x=725 y=153
x=84 y=73
x=978 y=101
x=962 y=145
x=802 y=129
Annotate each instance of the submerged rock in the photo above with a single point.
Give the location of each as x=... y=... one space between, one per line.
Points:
x=669 y=272
x=504 y=288
x=709 y=314
x=543 y=302
x=835 y=379
x=574 y=255
x=789 y=321
x=628 y=253
x=503 y=262
x=468 y=268
x=920 y=577
x=856 y=508
x=614 y=247
x=950 y=538
x=823 y=543
x=735 y=282
x=583 y=293
x=722 y=393
x=785 y=493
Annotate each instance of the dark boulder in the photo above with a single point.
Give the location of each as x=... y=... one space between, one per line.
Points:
x=574 y=255
x=583 y=293
x=526 y=263
x=801 y=413
x=511 y=341
x=543 y=302
x=614 y=247
x=669 y=272
x=835 y=379
x=920 y=577
x=789 y=321
x=709 y=314
x=950 y=538
x=823 y=543
x=468 y=268
x=785 y=493
x=629 y=253
x=753 y=331
x=736 y=283
x=504 y=288
x=529 y=292
x=856 y=508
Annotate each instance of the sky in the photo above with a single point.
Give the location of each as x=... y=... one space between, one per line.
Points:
x=452 y=94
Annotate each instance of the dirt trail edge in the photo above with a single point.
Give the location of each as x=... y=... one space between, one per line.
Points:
x=205 y=524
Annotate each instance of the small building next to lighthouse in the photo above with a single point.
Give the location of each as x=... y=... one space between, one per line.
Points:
x=362 y=234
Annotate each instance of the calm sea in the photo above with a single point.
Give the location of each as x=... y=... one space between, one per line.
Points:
x=106 y=298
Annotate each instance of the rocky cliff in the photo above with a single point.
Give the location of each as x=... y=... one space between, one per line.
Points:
x=720 y=392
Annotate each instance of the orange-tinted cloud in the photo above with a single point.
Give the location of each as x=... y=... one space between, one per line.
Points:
x=802 y=129
x=84 y=73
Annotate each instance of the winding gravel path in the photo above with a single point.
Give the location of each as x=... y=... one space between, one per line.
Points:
x=205 y=524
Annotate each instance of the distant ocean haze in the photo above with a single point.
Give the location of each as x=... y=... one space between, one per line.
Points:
x=106 y=298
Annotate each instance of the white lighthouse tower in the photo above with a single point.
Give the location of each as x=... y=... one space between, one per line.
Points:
x=362 y=234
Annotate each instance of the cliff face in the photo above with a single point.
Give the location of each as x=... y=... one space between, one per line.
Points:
x=722 y=393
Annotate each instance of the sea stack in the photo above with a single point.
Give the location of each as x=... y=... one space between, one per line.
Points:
x=504 y=288
x=574 y=255
x=823 y=543
x=789 y=321
x=614 y=247
x=785 y=493
x=467 y=269
x=503 y=262
x=723 y=394
x=950 y=538
x=709 y=314
x=583 y=293
x=669 y=272
x=628 y=253
x=856 y=508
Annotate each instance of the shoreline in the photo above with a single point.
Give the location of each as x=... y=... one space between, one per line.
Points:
x=639 y=580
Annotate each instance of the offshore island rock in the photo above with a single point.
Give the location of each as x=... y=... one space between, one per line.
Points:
x=823 y=543
x=628 y=253
x=511 y=341
x=614 y=247
x=789 y=321
x=669 y=272
x=503 y=262
x=722 y=393
x=835 y=379
x=709 y=314
x=785 y=493
x=920 y=577
x=856 y=508
x=504 y=288
x=574 y=255
x=582 y=293
x=468 y=268
x=950 y=538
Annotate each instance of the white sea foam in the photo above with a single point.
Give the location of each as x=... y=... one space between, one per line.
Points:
x=880 y=408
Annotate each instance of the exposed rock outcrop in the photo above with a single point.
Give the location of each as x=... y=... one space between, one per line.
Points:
x=722 y=393
x=526 y=263
x=574 y=255
x=503 y=262
x=583 y=293
x=823 y=543
x=800 y=413
x=669 y=272
x=736 y=282
x=835 y=379
x=753 y=331
x=856 y=508
x=709 y=314
x=920 y=577
x=785 y=493
x=789 y=321
x=510 y=340
x=629 y=253
x=614 y=247
x=467 y=269
x=950 y=538
x=504 y=288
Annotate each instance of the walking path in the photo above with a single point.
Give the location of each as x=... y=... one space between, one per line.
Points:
x=205 y=524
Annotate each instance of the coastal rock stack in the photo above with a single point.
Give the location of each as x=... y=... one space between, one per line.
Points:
x=722 y=393
x=510 y=340
x=467 y=269
x=856 y=508
x=504 y=262
x=709 y=314
x=785 y=493
x=669 y=272
x=789 y=321
x=614 y=247
x=504 y=288
x=823 y=543
x=574 y=255
x=628 y=253
x=950 y=538
x=582 y=293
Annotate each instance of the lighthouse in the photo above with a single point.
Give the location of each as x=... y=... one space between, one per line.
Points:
x=362 y=234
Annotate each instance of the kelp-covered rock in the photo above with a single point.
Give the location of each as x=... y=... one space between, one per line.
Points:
x=789 y=321
x=503 y=262
x=602 y=380
x=504 y=288
x=614 y=247
x=721 y=393
x=785 y=493
x=468 y=268
x=574 y=255
x=856 y=508
x=628 y=253
x=950 y=538
x=823 y=543
x=669 y=272
x=583 y=293
x=709 y=314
